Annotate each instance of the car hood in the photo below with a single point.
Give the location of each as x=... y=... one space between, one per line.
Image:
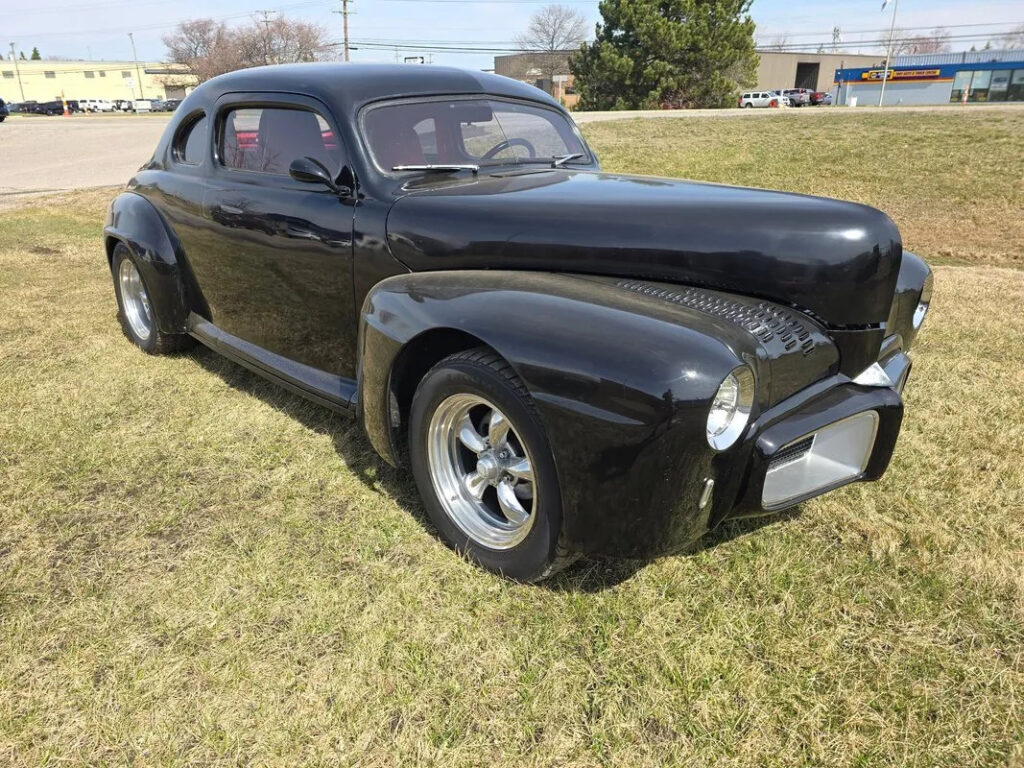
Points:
x=836 y=260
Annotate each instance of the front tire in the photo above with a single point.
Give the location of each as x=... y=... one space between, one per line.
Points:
x=484 y=468
x=136 y=312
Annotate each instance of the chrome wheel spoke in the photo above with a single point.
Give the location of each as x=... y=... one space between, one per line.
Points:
x=497 y=429
x=521 y=469
x=467 y=457
x=476 y=484
x=510 y=505
x=469 y=437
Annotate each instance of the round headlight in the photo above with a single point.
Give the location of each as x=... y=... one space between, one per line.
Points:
x=730 y=408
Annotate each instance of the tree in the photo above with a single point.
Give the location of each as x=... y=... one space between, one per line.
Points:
x=937 y=41
x=280 y=41
x=1012 y=40
x=35 y=54
x=654 y=53
x=552 y=34
x=209 y=48
x=206 y=47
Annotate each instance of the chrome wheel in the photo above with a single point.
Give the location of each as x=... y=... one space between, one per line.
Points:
x=135 y=300
x=481 y=471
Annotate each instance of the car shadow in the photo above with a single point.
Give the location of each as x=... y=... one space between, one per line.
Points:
x=588 y=574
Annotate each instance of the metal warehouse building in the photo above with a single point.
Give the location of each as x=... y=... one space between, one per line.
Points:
x=940 y=78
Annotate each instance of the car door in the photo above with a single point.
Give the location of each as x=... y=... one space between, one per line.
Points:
x=278 y=269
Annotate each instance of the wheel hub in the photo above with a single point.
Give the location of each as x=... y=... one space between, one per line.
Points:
x=481 y=471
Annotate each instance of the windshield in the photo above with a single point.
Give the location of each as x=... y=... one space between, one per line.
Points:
x=443 y=132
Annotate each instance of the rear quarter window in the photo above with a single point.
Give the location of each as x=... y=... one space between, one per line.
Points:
x=191 y=141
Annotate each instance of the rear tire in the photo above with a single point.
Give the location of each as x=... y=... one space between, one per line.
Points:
x=484 y=467
x=136 y=312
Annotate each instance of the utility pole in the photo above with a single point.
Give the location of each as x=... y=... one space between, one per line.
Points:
x=265 y=21
x=135 y=58
x=837 y=38
x=344 y=25
x=888 y=51
x=14 y=57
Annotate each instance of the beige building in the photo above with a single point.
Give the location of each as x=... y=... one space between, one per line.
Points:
x=48 y=80
x=814 y=71
x=535 y=69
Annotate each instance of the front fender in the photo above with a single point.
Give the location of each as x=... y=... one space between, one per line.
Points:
x=622 y=382
x=135 y=222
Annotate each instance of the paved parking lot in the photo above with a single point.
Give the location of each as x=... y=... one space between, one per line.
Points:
x=41 y=154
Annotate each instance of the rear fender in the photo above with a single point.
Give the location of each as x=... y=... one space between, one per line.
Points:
x=135 y=222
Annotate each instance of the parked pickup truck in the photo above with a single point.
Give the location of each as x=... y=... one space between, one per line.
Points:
x=569 y=361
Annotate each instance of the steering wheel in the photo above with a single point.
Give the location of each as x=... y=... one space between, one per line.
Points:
x=503 y=145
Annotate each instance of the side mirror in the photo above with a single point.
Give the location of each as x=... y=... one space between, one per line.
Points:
x=309 y=170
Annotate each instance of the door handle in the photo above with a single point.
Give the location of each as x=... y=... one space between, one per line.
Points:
x=232 y=209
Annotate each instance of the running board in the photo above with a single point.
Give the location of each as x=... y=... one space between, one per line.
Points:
x=335 y=392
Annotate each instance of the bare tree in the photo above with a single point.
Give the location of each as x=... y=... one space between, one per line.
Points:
x=1012 y=40
x=206 y=47
x=552 y=34
x=209 y=48
x=936 y=41
x=280 y=41
x=778 y=43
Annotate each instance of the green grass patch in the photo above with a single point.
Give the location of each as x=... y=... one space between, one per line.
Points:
x=199 y=568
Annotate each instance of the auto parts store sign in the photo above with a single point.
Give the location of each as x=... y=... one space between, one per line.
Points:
x=900 y=74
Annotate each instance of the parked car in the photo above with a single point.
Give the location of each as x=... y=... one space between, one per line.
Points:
x=49 y=108
x=159 y=105
x=74 y=106
x=123 y=105
x=569 y=361
x=798 y=97
x=821 y=97
x=3 y=111
x=760 y=99
x=97 y=105
x=21 y=107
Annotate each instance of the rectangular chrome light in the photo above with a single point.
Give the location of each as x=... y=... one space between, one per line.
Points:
x=815 y=463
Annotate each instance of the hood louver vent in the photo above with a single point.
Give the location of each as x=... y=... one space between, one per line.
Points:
x=769 y=323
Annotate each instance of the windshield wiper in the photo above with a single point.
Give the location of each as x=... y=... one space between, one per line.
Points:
x=562 y=159
x=442 y=167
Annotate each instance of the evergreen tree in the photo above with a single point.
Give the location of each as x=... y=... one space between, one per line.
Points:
x=679 y=53
x=35 y=54
x=23 y=56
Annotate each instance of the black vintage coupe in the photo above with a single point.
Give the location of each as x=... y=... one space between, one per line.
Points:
x=570 y=361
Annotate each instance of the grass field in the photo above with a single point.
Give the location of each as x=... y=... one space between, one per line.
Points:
x=199 y=569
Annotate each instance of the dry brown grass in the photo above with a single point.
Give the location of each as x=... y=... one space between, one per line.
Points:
x=198 y=568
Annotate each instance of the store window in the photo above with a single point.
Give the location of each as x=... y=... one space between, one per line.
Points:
x=125 y=74
x=1016 y=90
x=980 y=84
x=9 y=73
x=50 y=75
x=1000 y=85
x=961 y=82
x=89 y=75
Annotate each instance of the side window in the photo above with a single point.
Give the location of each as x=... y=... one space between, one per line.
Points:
x=269 y=139
x=190 y=143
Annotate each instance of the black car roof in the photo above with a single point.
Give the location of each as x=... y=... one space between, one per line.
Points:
x=347 y=87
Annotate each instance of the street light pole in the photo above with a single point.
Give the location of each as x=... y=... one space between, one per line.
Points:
x=14 y=58
x=135 y=58
x=888 y=51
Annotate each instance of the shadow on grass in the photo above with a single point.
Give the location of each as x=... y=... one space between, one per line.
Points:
x=589 y=575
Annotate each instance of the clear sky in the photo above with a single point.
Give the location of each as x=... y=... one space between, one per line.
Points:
x=99 y=28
